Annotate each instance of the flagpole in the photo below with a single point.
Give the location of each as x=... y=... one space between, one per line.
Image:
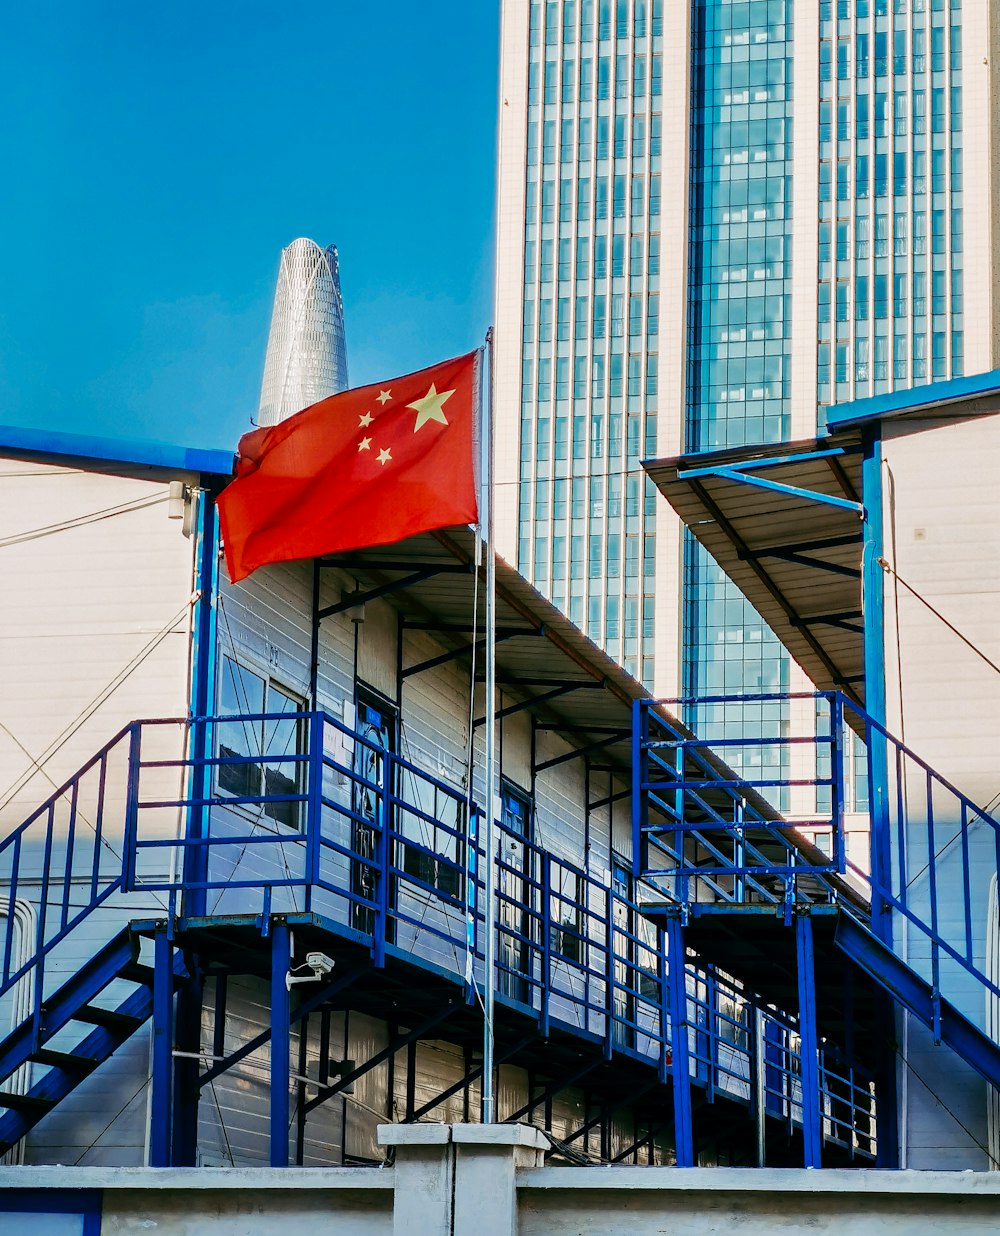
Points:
x=486 y=523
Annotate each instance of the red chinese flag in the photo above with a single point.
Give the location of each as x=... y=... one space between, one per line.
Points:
x=367 y=467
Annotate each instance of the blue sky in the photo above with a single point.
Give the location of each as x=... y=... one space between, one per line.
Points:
x=156 y=158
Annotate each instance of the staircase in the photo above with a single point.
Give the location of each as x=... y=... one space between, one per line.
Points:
x=912 y=923
x=98 y=1032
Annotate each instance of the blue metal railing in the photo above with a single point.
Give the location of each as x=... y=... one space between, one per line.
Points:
x=929 y=854
x=327 y=820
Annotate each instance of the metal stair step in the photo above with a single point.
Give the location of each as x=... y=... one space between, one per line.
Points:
x=64 y=1060
x=26 y=1103
x=136 y=972
x=110 y=1018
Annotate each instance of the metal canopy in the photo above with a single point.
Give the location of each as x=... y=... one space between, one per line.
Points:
x=785 y=524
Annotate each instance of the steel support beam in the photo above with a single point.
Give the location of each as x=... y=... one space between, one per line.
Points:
x=812 y=1118
x=353 y=599
x=504 y=633
x=552 y=1090
x=679 y=1045
x=471 y=1076
x=620 y=736
x=399 y=1042
x=307 y=1006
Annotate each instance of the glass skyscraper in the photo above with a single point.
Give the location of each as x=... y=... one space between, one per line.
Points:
x=716 y=216
x=306 y=357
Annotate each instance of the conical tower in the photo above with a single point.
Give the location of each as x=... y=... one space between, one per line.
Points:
x=307 y=349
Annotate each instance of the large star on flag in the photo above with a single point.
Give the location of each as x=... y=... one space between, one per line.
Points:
x=431 y=407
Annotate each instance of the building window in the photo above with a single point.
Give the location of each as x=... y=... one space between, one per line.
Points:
x=265 y=749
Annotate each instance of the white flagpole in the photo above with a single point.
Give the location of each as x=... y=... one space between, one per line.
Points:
x=489 y=950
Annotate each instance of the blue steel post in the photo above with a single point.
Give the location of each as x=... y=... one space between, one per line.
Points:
x=680 y=1050
x=812 y=1121
x=546 y=925
x=873 y=606
x=837 y=773
x=314 y=802
x=132 y=806
x=281 y=961
x=161 y=1098
x=202 y=701
x=639 y=718
x=383 y=851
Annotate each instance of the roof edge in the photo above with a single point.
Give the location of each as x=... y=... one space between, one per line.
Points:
x=28 y=441
x=913 y=399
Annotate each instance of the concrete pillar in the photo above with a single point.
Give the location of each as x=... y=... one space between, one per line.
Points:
x=424 y=1178
x=461 y=1179
x=487 y=1157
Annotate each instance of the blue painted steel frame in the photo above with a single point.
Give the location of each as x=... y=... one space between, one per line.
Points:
x=743 y=473
x=679 y=1045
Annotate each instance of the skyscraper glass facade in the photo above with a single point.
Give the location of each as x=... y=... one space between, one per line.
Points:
x=739 y=318
x=873 y=128
x=590 y=323
x=890 y=210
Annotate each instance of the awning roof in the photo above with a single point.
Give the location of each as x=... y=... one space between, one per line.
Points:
x=784 y=523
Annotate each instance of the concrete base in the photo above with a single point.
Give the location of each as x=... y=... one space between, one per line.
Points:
x=489 y=1180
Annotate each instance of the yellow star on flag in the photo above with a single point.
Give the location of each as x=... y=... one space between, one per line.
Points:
x=365 y=420
x=383 y=397
x=365 y=444
x=431 y=407
x=384 y=457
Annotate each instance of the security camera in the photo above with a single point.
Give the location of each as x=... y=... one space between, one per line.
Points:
x=319 y=963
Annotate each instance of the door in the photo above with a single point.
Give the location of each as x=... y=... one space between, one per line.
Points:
x=513 y=920
x=376 y=728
